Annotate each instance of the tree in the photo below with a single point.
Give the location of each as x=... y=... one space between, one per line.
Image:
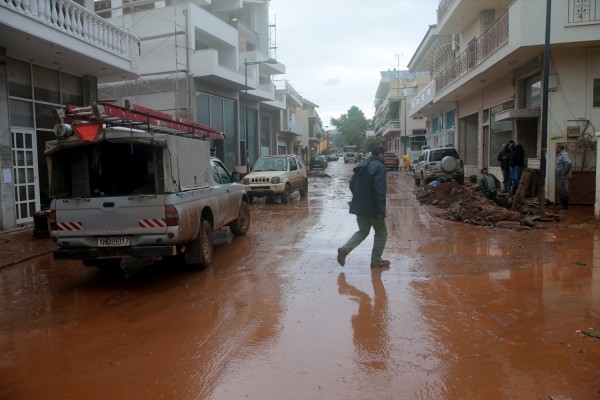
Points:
x=352 y=126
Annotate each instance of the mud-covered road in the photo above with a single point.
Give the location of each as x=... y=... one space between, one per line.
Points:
x=463 y=313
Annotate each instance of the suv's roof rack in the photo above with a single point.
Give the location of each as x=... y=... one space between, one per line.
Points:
x=138 y=117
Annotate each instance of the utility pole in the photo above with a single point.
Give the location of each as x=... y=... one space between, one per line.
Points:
x=542 y=194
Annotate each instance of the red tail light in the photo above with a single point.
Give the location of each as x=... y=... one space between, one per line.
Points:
x=88 y=131
x=171 y=216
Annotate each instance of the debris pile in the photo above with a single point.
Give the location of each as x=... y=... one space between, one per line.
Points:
x=467 y=204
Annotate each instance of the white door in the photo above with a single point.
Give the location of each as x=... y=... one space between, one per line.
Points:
x=27 y=191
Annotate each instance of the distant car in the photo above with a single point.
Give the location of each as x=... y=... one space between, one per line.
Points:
x=332 y=157
x=442 y=163
x=391 y=160
x=318 y=162
x=277 y=176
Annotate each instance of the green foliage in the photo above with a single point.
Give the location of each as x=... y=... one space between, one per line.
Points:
x=369 y=143
x=352 y=126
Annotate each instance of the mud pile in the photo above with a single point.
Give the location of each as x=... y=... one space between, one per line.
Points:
x=467 y=204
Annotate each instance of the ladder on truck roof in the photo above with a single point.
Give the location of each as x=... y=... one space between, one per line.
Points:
x=138 y=117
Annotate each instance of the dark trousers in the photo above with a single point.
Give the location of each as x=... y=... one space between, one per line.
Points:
x=506 y=179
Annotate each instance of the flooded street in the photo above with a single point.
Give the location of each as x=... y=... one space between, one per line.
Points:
x=463 y=312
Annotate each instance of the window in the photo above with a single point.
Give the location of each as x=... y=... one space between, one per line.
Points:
x=533 y=92
x=45 y=85
x=19 y=79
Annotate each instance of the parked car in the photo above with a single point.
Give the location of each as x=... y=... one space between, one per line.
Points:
x=391 y=160
x=332 y=157
x=277 y=176
x=318 y=162
x=442 y=163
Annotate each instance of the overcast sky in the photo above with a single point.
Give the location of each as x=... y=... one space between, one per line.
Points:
x=334 y=50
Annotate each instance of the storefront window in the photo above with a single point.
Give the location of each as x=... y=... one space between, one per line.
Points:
x=45 y=85
x=19 y=79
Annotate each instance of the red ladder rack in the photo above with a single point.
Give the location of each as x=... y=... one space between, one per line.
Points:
x=139 y=117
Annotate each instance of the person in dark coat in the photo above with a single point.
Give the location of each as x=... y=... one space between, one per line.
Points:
x=516 y=162
x=368 y=186
x=503 y=158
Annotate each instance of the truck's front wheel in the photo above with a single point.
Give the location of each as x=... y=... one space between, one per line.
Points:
x=287 y=194
x=200 y=251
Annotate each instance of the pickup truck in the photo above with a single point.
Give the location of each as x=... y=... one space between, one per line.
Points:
x=132 y=193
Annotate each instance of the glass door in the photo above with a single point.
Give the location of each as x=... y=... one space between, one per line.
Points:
x=24 y=174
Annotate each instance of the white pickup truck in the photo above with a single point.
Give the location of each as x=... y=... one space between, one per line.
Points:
x=131 y=193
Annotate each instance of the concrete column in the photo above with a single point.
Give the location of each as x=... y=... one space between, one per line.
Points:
x=7 y=190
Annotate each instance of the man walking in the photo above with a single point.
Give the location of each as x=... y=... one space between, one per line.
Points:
x=368 y=187
x=503 y=158
x=562 y=171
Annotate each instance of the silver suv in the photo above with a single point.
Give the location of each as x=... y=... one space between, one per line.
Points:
x=277 y=176
x=442 y=163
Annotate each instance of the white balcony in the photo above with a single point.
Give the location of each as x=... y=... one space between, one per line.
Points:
x=62 y=34
x=512 y=40
x=292 y=126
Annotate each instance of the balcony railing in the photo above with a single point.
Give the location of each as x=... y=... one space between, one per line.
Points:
x=75 y=20
x=584 y=11
x=487 y=44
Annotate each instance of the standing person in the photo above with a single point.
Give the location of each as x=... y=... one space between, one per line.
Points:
x=368 y=186
x=503 y=158
x=516 y=162
x=407 y=163
x=563 y=175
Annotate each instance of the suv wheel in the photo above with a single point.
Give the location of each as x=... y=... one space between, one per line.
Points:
x=460 y=179
x=286 y=195
x=417 y=180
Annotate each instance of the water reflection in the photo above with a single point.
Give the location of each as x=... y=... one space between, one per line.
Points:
x=370 y=325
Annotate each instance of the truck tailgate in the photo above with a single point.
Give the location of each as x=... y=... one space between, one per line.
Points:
x=123 y=215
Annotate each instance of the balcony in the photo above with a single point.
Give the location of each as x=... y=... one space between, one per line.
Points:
x=486 y=45
x=62 y=34
x=391 y=128
x=424 y=97
x=292 y=126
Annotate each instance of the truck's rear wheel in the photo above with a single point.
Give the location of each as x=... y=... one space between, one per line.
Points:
x=242 y=223
x=200 y=251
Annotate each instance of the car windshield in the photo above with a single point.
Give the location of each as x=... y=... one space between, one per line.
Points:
x=270 y=164
x=438 y=155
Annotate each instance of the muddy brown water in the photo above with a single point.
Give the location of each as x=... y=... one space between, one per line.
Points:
x=463 y=312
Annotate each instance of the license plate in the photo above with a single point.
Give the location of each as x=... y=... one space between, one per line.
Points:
x=113 y=241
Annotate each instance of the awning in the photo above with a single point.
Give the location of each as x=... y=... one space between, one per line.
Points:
x=518 y=113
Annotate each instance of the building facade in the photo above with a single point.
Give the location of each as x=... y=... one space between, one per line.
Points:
x=210 y=61
x=487 y=67
x=51 y=54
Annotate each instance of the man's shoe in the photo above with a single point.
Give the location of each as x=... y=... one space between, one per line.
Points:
x=342 y=253
x=380 y=264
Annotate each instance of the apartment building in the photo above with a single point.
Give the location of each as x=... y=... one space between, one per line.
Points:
x=210 y=61
x=486 y=60
x=51 y=54
x=392 y=124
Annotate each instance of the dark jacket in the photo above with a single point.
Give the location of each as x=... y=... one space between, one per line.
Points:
x=504 y=157
x=517 y=156
x=368 y=186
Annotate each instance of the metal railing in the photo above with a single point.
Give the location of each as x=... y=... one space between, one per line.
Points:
x=72 y=19
x=584 y=11
x=495 y=37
